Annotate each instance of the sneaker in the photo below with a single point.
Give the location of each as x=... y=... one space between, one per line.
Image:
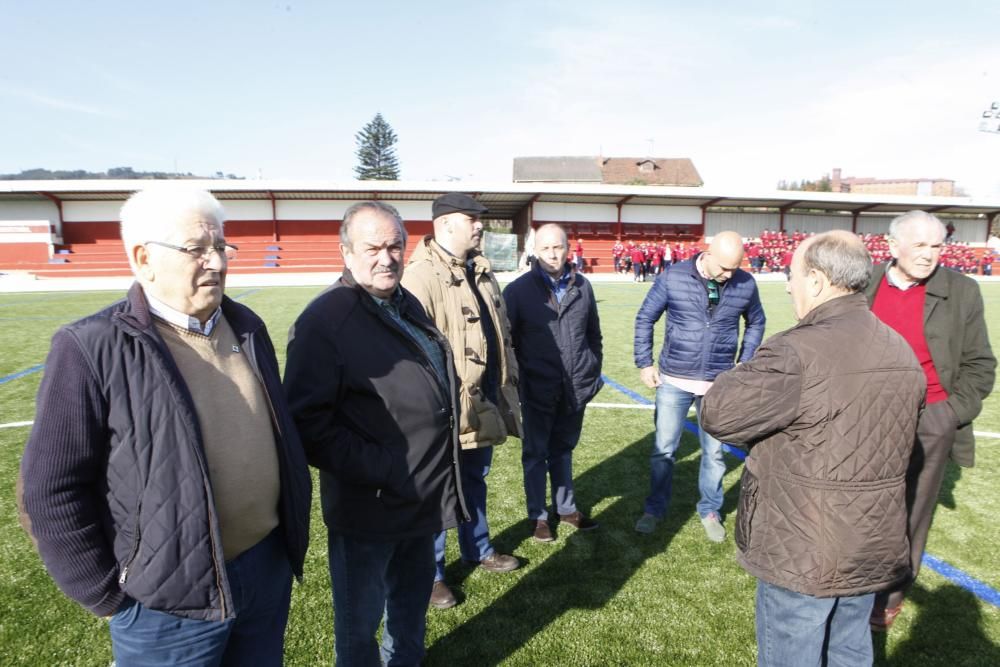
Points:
x=542 y=531
x=498 y=562
x=442 y=597
x=578 y=520
x=713 y=527
x=646 y=524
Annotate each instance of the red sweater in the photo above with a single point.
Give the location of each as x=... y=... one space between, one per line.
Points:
x=903 y=310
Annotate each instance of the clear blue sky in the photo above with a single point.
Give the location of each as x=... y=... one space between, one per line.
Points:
x=752 y=92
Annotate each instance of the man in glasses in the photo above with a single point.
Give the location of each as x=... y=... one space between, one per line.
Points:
x=164 y=480
x=704 y=298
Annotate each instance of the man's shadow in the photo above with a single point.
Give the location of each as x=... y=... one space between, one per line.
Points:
x=599 y=563
x=948 y=631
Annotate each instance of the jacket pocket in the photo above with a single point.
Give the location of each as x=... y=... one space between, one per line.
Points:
x=749 y=488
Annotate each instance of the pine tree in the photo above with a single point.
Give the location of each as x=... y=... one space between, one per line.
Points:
x=376 y=156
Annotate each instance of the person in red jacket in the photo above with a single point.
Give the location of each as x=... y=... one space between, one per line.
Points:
x=638 y=263
x=617 y=251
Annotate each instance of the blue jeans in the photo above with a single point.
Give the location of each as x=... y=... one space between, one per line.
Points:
x=260 y=582
x=372 y=580
x=549 y=440
x=473 y=536
x=672 y=405
x=801 y=630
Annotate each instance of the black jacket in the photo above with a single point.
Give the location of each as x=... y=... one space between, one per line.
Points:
x=115 y=479
x=558 y=345
x=374 y=416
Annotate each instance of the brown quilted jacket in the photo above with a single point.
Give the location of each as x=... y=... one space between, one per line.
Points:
x=829 y=410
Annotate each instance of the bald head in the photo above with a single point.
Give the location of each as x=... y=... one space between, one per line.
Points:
x=723 y=257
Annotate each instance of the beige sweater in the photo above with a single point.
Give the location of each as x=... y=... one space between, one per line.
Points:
x=236 y=431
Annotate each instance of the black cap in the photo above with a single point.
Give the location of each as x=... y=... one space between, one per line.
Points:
x=456 y=202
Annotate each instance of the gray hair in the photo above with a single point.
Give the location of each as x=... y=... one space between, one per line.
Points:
x=842 y=258
x=151 y=214
x=375 y=207
x=900 y=221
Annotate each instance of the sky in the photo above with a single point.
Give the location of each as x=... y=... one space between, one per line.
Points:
x=752 y=92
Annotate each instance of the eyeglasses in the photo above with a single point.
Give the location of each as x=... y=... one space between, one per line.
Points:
x=201 y=252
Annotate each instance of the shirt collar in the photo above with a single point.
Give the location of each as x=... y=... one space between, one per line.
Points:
x=394 y=299
x=892 y=280
x=182 y=320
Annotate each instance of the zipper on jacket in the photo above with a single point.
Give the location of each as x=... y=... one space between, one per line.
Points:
x=135 y=544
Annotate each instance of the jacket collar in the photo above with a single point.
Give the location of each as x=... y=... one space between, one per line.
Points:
x=241 y=319
x=937 y=284
x=543 y=276
x=430 y=249
x=835 y=307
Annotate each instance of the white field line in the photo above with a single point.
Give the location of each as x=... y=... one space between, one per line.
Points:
x=16 y=424
x=623 y=406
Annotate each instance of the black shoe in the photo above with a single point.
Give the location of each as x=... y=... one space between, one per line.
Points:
x=578 y=520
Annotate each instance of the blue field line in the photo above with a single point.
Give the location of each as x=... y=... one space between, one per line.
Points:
x=21 y=374
x=243 y=295
x=981 y=590
x=690 y=426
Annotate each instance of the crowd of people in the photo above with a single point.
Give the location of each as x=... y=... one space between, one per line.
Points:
x=645 y=259
x=773 y=250
x=165 y=480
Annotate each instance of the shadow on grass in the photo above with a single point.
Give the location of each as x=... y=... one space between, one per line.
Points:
x=948 y=631
x=589 y=569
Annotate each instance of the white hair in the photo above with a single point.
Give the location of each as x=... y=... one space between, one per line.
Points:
x=900 y=221
x=151 y=214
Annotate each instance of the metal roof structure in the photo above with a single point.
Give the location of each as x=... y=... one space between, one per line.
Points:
x=506 y=200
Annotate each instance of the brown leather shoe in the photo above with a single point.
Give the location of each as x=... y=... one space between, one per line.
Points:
x=442 y=597
x=881 y=619
x=578 y=520
x=498 y=562
x=542 y=531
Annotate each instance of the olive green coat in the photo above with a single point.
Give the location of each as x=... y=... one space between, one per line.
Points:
x=955 y=329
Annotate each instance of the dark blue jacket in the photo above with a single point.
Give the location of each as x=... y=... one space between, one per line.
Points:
x=558 y=345
x=115 y=478
x=698 y=344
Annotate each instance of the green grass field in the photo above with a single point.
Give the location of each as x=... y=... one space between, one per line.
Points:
x=611 y=597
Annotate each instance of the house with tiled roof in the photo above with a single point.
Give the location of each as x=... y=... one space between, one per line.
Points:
x=610 y=170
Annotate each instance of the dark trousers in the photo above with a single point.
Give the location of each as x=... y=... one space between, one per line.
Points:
x=376 y=581
x=935 y=436
x=549 y=440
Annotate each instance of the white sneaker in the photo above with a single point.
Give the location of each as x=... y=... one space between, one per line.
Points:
x=713 y=527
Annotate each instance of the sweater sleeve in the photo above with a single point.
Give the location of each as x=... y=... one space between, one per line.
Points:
x=64 y=469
